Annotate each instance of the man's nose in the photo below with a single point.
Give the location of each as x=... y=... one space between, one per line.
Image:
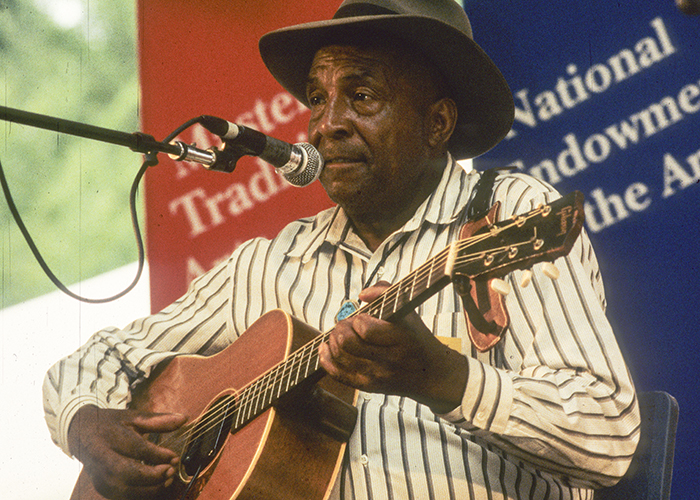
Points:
x=334 y=122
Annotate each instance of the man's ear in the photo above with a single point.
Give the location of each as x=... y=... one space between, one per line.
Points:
x=442 y=118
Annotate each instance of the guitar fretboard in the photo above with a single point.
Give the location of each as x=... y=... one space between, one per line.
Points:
x=303 y=364
x=542 y=234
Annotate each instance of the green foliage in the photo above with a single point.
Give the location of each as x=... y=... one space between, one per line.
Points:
x=71 y=192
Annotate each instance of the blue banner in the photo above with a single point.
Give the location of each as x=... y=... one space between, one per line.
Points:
x=607 y=99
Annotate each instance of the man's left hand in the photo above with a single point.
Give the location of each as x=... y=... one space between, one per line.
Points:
x=402 y=358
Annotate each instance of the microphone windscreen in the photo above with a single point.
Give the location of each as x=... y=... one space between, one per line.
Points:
x=310 y=168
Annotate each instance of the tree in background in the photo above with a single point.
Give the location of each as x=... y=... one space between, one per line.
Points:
x=72 y=59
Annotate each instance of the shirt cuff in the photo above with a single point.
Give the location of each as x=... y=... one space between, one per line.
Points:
x=66 y=416
x=487 y=400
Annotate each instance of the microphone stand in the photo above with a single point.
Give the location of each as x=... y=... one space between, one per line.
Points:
x=137 y=141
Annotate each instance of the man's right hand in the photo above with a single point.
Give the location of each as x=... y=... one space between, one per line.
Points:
x=119 y=460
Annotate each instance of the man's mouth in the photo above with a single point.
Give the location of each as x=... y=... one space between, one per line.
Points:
x=342 y=160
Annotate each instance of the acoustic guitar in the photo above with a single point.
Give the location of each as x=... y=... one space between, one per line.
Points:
x=263 y=420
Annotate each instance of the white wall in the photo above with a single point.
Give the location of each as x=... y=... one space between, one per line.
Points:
x=33 y=336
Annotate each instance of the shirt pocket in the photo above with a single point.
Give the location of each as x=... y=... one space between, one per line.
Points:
x=450 y=328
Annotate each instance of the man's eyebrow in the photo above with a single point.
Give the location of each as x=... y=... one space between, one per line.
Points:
x=355 y=76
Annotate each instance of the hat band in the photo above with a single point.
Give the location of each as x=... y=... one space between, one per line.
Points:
x=361 y=9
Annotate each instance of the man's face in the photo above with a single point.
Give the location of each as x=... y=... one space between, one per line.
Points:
x=368 y=121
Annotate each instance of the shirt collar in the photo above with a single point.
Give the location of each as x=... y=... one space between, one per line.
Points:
x=333 y=229
x=443 y=206
x=449 y=199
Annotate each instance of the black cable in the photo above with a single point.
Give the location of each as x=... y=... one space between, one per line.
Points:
x=42 y=263
x=151 y=160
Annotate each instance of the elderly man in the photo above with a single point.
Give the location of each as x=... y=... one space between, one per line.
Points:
x=397 y=90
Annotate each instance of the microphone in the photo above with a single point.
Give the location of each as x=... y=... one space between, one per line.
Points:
x=300 y=164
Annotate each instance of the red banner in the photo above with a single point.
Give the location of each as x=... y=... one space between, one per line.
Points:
x=202 y=58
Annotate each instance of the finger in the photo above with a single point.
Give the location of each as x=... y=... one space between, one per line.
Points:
x=139 y=474
x=325 y=359
x=414 y=322
x=372 y=292
x=158 y=422
x=115 y=476
x=376 y=332
x=346 y=345
x=147 y=451
x=117 y=488
x=342 y=369
x=122 y=437
x=135 y=446
x=136 y=474
x=330 y=364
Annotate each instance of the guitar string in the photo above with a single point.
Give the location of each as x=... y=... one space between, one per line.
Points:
x=252 y=392
x=301 y=356
x=307 y=354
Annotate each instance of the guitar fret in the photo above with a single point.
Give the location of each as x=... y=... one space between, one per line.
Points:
x=304 y=359
x=253 y=401
x=413 y=286
x=286 y=378
x=397 y=302
x=296 y=379
x=309 y=361
x=245 y=408
x=293 y=369
x=322 y=339
x=278 y=385
x=237 y=421
x=266 y=394
x=245 y=401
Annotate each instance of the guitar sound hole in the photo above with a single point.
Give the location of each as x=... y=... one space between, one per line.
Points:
x=208 y=436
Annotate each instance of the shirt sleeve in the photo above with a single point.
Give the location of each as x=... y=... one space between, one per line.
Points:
x=561 y=398
x=113 y=360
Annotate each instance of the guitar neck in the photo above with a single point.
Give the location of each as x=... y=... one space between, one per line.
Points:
x=303 y=364
x=544 y=233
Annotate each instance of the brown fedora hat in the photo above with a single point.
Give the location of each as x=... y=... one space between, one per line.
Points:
x=440 y=28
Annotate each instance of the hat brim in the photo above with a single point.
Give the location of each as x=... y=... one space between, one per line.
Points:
x=484 y=101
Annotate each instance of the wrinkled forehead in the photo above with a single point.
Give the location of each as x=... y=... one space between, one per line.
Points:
x=372 y=61
x=387 y=60
x=371 y=56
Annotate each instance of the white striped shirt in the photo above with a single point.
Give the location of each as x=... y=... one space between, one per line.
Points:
x=548 y=413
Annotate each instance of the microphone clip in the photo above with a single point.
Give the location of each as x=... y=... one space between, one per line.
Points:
x=219 y=160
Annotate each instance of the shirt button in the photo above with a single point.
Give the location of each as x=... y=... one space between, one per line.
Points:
x=364 y=460
x=380 y=271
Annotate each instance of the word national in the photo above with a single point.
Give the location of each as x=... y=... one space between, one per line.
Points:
x=576 y=88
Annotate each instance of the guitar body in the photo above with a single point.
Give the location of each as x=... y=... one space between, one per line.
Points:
x=288 y=422
x=281 y=453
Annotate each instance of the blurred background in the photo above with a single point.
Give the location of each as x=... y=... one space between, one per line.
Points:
x=118 y=64
x=75 y=60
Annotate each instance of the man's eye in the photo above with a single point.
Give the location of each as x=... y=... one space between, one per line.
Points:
x=314 y=100
x=362 y=96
